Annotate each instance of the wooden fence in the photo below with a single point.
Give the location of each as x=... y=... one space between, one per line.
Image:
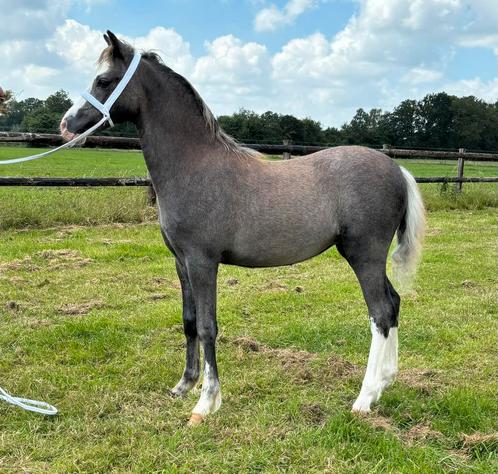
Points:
x=286 y=149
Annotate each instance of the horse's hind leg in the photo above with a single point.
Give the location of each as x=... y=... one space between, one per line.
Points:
x=383 y=307
x=191 y=373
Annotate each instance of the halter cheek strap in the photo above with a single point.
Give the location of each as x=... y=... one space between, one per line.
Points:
x=104 y=109
x=99 y=106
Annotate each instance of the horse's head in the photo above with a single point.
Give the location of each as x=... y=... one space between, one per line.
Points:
x=113 y=63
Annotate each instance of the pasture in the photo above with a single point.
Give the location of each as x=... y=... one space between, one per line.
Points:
x=91 y=322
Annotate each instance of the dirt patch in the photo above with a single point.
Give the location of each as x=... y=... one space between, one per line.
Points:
x=63 y=258
x=12 y=306
x=315 y=414
x=114 y=242
x=380 y=422
x=432 y=231
x=473 y=287
x=26 y=265
x=78 y=309
x=275 y=286
x=421 y=379
x=157 y=282
x=338 y=367
x=17 y=280
x=421 y=431
x=248 y=344
x=295 y=362
x=479 y=443
x=232 y=282
x=158 y=296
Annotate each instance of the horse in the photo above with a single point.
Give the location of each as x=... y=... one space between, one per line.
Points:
x=222 y=203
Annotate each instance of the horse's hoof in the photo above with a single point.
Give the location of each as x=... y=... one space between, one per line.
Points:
x=175 y=394
x=361 y=406
x=195 y=419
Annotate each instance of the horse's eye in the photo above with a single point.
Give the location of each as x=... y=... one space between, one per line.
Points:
x=103 y=82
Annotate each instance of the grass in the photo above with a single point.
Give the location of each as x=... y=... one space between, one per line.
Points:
x=90 y=321
x=45 y=207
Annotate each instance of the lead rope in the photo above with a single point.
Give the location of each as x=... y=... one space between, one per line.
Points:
x=27 y=404
x=35 y=405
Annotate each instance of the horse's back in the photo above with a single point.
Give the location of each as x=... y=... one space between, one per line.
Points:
x=370 y=186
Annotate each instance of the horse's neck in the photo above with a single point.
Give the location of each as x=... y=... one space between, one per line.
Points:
x=175 y=140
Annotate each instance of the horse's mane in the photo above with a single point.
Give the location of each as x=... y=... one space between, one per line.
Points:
x=212 y=124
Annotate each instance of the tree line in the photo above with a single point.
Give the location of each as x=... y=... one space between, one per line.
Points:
x=438 y=120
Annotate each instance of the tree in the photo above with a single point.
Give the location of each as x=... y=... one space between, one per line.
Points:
x=45 y=116
x=332 y=136
x=292 y=128
x=435 y=120
x=312 y=131
x=58 y=103
x=401 y=124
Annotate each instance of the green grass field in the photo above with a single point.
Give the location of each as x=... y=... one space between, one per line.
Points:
x=91 y=322
x=44 y=207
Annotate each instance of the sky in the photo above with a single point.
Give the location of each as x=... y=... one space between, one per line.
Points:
x=310 y=58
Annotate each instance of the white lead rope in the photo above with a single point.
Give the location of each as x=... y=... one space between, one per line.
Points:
x=69 y=144
x=27 y=404
x=35 y=405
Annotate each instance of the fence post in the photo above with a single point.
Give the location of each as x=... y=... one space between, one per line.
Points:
x=286 y=154
x=151 y=193
x=461 y=162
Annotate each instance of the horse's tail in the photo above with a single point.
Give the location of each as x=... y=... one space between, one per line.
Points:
x=410 y=233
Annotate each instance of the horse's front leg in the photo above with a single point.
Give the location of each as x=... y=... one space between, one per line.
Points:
x=191 y=373
x=202 y=276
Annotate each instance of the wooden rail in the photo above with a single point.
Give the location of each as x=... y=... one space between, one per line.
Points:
x=123 y=143
x=138 y=181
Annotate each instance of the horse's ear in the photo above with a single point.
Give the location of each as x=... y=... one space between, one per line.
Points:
x=107 y=40
x=117 y=46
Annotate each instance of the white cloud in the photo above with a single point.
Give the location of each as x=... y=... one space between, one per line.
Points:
x=419 y=75
x=271 y=18
x=174 y=50
x=78 y=45
x=230 y=60
x=30 y=19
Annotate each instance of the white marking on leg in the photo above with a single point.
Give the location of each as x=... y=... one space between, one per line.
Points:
x=210 y=399
x=372 y=385
x=390 y=367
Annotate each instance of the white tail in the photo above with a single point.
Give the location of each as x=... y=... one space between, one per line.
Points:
x=410 y=234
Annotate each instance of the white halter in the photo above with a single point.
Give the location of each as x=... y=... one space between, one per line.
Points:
x=103 y=108
x=26 y=403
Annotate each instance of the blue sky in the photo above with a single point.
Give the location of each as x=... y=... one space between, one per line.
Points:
x=317 y=58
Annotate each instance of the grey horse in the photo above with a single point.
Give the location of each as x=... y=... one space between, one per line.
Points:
x=220 y=203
